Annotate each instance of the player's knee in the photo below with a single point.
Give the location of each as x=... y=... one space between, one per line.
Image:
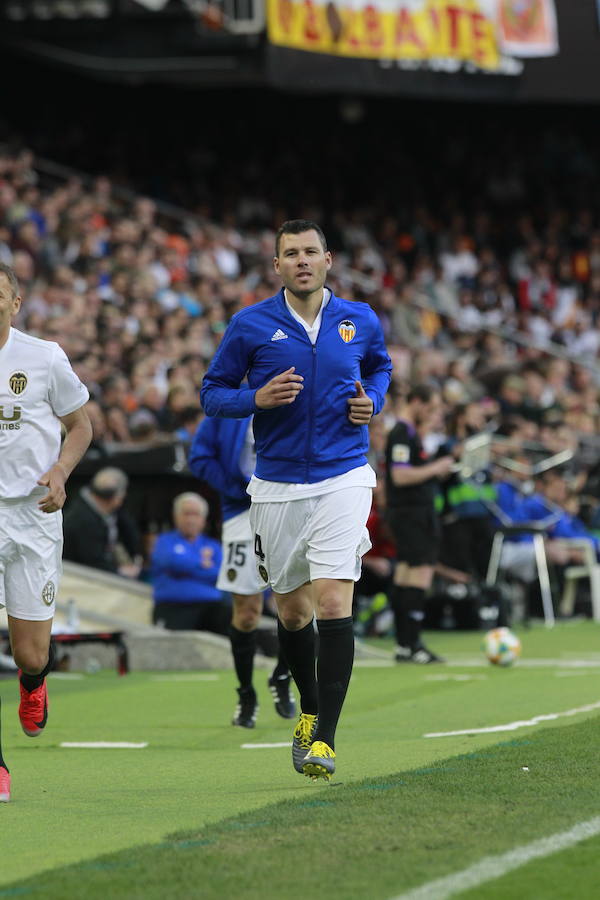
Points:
x=247 y=619
x=332 y=608
x=246 y=613
x=30 y=659
x=294 y=619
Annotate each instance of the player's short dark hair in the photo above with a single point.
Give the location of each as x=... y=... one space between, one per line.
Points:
x=298 y=226
x=11 y=278
x=422 y=392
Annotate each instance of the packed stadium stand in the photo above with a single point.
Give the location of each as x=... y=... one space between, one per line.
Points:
x=139 y=227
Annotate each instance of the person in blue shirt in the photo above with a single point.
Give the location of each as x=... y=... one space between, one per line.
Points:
x=312 y=369
x=222 y=454
x=544 y=504
x=183 y=572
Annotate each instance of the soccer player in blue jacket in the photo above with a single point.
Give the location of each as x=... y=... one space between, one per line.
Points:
x=222 y=454
x=316 y=371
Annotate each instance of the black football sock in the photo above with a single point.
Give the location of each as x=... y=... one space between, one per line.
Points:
x=334 y=668
x=415 y=614
x=2 y=763
x=298 y=648
x=399 y=598
x=243 y=648
x=281 y=670
x=408 y=606
x=31 y=682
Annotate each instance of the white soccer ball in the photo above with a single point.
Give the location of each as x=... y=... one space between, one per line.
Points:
x=501 y=646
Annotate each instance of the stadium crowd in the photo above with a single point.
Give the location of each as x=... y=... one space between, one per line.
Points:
x=492 y=298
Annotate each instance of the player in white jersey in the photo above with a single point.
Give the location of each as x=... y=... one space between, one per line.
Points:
x=38 y=391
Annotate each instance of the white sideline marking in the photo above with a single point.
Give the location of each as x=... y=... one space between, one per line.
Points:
x=481 y=662
x=67 y=676
x=455 y=677
x=577 y=674
x=103 y=745
x=266 y=746
x=529 y=663
x=512 y=726
x=185 y=678
x=491 y=867
x=374 y=663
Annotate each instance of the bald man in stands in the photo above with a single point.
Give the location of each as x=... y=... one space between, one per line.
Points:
x=97 y=529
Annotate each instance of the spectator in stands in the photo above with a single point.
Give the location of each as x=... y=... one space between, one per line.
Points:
x=184 y=570
x=187 y=421
x=139 y=297
x=98 y=532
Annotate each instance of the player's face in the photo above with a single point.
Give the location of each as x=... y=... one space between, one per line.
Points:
x=302 y=263
x=9 y=304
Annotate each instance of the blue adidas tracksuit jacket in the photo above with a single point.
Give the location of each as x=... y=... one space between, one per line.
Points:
x=214 y=457
x=311 y=439
x=184 y=571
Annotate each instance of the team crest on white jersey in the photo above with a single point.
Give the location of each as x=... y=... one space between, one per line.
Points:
x=347 y=330
x=48 y=593
x=17 y=382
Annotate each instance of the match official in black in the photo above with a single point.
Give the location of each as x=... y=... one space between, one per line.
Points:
x=411 y=487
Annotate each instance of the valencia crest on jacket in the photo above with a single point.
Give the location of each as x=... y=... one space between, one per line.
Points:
x=347 y=330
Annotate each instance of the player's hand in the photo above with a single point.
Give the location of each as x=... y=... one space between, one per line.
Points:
x=279 y=391
x=444 y=466
x=360 y=408
x=54 y=479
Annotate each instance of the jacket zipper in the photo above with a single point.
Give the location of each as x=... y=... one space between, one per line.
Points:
x=312 y=383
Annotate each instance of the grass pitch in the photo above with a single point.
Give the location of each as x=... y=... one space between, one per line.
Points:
x=195 y=815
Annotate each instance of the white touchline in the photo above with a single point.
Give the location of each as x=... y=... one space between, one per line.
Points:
x=67 y=676
x=266 y=746
x=458 y=662
x=104 y=745
x=198 y=677
x=491 y=867
x=512 y=726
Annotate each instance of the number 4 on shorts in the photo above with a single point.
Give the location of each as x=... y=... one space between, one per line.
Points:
x=258 y=548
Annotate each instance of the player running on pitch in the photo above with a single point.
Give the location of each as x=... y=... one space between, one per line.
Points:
x=38 y=391
x=317 y=371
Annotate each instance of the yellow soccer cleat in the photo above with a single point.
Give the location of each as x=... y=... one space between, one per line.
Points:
x=319 y=761
x=303 y=735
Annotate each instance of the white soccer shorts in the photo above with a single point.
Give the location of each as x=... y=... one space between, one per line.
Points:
x=30 y=559
x=239 y=573
x=297 y=541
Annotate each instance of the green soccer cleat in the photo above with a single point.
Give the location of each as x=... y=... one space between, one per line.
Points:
x=319 y=761
x=303 y=735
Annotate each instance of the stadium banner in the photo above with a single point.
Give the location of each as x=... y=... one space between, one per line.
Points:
x=450 y=36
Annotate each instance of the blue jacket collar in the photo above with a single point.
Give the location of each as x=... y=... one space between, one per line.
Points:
x=333 y=304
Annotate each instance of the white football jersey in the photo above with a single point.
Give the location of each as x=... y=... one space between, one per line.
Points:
x=37 y=384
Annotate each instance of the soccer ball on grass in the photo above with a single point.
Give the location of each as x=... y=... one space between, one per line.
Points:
x=501 y=646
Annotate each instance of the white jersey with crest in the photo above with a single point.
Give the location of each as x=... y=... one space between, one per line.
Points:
x=37 y=384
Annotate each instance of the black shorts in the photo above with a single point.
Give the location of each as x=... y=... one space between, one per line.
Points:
x=416 y=532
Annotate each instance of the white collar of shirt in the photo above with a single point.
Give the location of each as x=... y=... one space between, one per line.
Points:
x=311 y=330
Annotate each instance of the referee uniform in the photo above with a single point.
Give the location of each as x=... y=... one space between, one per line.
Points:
x=411 y=480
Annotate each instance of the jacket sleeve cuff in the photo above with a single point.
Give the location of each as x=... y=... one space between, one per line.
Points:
x=377 y=404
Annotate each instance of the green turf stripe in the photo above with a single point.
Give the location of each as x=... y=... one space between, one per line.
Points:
x=373 y=839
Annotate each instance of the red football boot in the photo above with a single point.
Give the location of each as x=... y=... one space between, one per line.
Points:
x=4 y=785
x=33 y=709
